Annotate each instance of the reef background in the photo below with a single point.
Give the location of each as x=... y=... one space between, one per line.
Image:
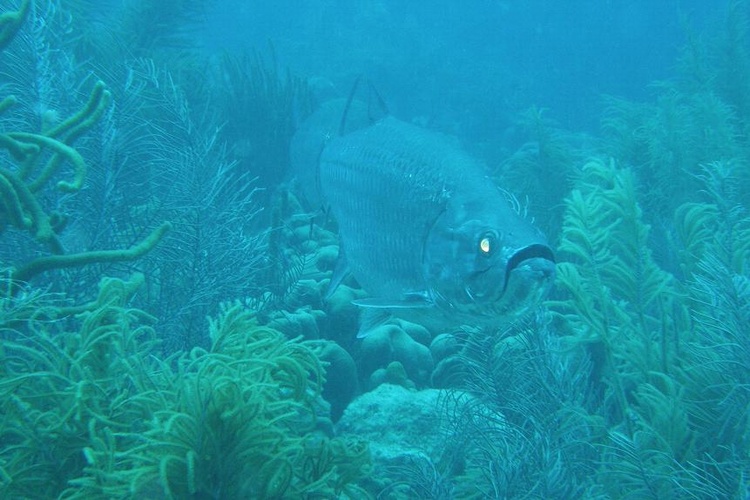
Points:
x=162 y=327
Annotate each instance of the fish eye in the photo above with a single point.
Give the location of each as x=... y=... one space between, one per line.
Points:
x=487 y=243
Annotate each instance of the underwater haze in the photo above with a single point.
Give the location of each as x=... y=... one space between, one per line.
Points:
x=469 y=68
x=374 y=249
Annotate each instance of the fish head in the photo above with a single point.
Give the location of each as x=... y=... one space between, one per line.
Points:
x=488 y=269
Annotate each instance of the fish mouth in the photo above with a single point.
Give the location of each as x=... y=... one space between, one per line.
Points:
x=538 y=258
x=529 y=276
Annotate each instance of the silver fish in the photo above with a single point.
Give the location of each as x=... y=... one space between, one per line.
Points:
x=422 y=228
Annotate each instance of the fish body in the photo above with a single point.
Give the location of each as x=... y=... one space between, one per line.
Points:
x=424 y=230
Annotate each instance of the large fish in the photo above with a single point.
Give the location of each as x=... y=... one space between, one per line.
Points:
x=422 y=228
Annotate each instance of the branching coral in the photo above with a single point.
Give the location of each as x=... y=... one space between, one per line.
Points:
x=699 y=118
x=716 y=236
x=20 y=188
x=540 y=168
x=60 y=389
x=525 y=427
x=10 y=22
x=173 y=152
x=719 y=225
x=39 y=157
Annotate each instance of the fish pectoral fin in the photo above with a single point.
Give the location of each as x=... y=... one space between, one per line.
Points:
x=370 y=319
x=409 y=301
x=340 y=272
x=376 y=311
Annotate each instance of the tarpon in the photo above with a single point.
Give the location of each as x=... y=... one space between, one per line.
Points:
x=422 y=228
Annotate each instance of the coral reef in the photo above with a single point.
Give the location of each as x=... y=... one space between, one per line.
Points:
x=341 y=384
x=631 y=382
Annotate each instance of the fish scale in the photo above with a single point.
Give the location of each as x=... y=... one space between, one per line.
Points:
x=386 y=185
x=422 y=228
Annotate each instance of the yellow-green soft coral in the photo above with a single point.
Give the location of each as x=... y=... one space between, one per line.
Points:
x=617 y=301
x=238 y=422
x=618 y=292
x=60 y=389
x=94 y=413
x=671 y=356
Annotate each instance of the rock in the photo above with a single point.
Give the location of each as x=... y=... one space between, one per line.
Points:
x=395 y=420
x=405 y=428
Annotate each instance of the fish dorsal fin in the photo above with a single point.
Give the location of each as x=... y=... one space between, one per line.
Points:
x=376 y=106
x=377 y=109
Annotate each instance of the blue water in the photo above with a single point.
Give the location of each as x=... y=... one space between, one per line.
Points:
x=468 y=68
